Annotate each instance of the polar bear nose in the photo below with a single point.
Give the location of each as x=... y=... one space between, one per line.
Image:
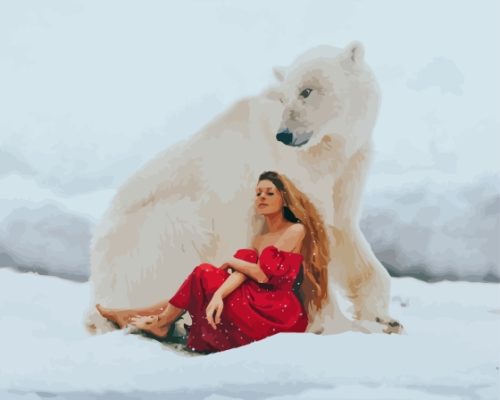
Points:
x=284 y=136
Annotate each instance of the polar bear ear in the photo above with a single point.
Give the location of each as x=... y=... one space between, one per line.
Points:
x=279 y=73
x=354 y=53
x=273 y=93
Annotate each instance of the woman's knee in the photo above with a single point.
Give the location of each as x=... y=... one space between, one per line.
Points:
x=203 y=268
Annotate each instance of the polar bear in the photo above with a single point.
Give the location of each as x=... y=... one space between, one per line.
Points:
x=193 y=202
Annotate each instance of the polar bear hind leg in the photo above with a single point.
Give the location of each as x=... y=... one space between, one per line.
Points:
x=143 y=258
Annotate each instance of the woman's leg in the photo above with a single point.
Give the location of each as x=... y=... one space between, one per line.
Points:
x=121 y=317
x=192 y=295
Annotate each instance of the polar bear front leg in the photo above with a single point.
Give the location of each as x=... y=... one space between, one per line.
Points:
x=355 y=266
x=365 y=280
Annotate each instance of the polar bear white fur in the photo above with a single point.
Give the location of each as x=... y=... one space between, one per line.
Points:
x=193 y=202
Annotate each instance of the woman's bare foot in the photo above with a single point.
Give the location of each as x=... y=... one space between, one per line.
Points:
x=119 y=317
x=151 y=324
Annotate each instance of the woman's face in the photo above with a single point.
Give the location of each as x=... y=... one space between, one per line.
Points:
x=268 y=199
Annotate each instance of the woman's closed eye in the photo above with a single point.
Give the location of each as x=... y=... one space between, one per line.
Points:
x=269 y=194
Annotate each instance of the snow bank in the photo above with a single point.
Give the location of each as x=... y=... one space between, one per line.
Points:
x=436 y=230
x=46 y=239
x=47 y=232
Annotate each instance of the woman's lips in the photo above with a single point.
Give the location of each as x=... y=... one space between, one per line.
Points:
x=262 y=205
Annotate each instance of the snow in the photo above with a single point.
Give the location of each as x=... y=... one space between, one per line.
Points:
x=450 y=351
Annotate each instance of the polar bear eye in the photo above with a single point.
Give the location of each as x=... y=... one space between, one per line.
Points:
x=305 y=93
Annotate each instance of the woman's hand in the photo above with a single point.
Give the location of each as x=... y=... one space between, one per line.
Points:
x=228 y=266
x=214 y=307
x=233 y=264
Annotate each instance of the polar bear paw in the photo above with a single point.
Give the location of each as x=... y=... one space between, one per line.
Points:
x=96 y=324
x=391 y=326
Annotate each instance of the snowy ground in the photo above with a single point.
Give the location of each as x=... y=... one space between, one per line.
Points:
x=451 y=351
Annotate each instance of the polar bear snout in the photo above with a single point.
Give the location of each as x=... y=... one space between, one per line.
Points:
x=285 y=137
x=292 y=139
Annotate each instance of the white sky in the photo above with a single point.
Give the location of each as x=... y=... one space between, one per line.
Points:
x=90 y=90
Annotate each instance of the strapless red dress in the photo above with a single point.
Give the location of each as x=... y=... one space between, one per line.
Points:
x=253 y=311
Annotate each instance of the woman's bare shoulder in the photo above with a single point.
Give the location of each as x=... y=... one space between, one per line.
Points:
x=297 y=229
x=291 y=239
x=256 y=241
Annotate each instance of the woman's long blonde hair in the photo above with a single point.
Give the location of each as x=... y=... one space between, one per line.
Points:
x=315 y=249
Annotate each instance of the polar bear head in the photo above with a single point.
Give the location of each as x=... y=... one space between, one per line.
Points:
x=328 y=91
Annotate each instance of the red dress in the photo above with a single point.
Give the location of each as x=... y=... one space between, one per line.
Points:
x=253 y=311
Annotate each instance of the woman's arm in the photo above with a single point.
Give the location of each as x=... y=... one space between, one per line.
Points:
x=290 y=239
x=249 y=269
x=231 y=283
x=216 y=304
x=237 y=277
x=246 y=268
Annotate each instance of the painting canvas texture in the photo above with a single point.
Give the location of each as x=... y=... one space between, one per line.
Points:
x=132 y=138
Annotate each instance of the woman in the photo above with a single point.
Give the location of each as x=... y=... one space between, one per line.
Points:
x=260 y=298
